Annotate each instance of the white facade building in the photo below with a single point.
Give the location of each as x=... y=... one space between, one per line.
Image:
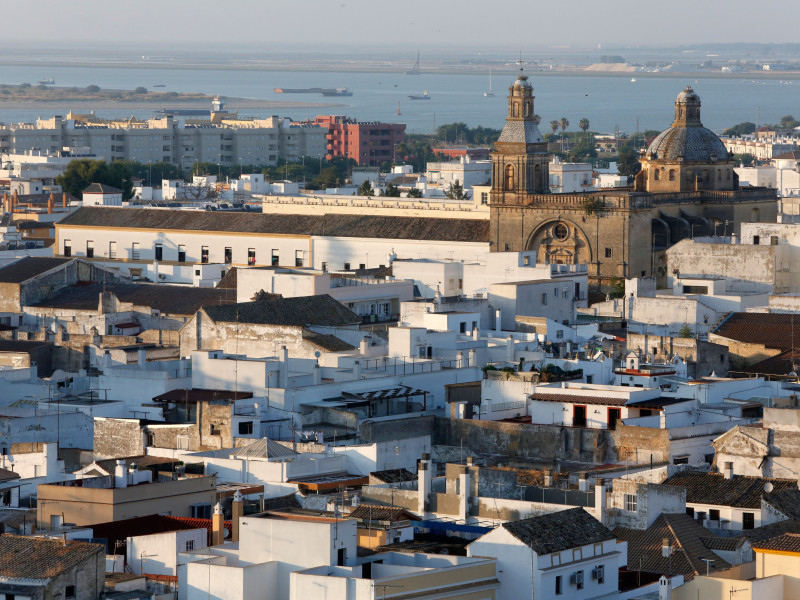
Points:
x=569 y=178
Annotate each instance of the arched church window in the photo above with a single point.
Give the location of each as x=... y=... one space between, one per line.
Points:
x=509 y=177
x=516 y=109
x=672 y=174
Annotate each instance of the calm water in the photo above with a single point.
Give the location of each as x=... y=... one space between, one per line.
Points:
x=607 y=102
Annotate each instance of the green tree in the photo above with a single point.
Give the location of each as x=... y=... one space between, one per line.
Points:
x=414 y=193
x=81 y=173
x=617 y=287
x=584 y=150
x=745 y=159
x=456 y=191
x=628 y=161
x=743 y=128
x=584 y=124
x=328 y=177
x=789 y=122
x=140 y=90
x=365 y=189
x=391 y=191
x=686 y=331
x=554 y=125
x=92 y=89
x=563 y=123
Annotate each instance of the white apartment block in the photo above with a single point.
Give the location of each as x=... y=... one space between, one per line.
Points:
x=169 y=139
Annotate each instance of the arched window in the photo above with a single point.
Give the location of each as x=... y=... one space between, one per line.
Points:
x=672 y=174
x=655 y=173
x=509 y=177
x=516 y=109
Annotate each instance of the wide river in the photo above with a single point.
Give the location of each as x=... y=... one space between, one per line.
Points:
x=608 y=102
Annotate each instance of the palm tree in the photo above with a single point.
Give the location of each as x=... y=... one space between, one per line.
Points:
x=554 y=126
x=537 y=119
x=584 y=124
x=564 y=124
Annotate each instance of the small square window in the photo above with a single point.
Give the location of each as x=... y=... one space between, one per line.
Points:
x=608 y=252
x=189 y=545
x=630 y=502
x=69 y=592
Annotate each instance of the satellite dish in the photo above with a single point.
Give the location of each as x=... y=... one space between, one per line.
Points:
x=768 y=487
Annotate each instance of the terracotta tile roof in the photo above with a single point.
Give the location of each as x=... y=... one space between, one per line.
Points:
x=29 y=267
x=374 y=512
x=579 y=399
x=788 y=542
x=723 y=544
x=116 y=532
x=6 y=475
x=335 y=225
x=167 y=299
x=559 y=531
x=327 y=341
x=687 y=538
x=770 y=329
x=767 y=532
x=297 y=311
x=787 y=502
x=39 y=558
x=780 y=364
x=101 y=188
x=229 y=281
x=740 y=491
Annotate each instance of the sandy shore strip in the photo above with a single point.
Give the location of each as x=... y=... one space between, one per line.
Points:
x=80 y=106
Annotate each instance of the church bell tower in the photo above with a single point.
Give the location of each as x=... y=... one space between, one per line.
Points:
x=520 y=159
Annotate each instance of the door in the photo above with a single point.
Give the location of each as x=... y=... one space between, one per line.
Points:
x=613 y=417
x=579 y=416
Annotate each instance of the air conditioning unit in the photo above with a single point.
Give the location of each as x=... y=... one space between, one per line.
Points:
x=576 y=578
x=598 y=572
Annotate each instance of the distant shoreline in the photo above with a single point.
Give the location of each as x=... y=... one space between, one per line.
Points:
x=399 y=69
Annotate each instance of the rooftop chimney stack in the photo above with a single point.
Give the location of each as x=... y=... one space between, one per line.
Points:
x=217 y=526
x=120 y=475
x=728 y=472
x=238 y=511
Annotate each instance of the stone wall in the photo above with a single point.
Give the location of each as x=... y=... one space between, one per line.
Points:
x=118 y=438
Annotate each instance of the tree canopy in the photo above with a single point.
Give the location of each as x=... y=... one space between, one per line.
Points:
x=82 y=172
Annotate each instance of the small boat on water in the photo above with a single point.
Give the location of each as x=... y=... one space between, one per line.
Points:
x=633 y=79
x=490 y=93
x=48 y=81
x=160 y=85
x=423 y=96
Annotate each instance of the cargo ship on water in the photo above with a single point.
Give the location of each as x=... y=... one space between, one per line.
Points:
x=341 y=91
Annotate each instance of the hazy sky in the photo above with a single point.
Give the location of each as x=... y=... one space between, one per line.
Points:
x=511 y=24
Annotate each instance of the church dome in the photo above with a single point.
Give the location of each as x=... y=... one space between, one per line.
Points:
x=687 y=139
x=522 y=82
x=689 y=143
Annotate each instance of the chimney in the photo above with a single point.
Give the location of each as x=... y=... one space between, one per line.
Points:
x=364 y=346
x=728 y=472
x=665 y=588
x=600 y=501
x=283 y=373
x=423 y=483
x=64 y=200
x=459 y=359
x=548 y=478
x=357 y=369
x=463 y=492
x=238 y=511
x=476 y=334
x=217 y=526
x=5 y=202
x=510 y=348
x=582 y=484
x=473 y=358
x=497 y=326
x=120 y=475
x=50 y=202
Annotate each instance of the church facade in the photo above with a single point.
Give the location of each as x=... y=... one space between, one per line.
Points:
x=686 y=188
